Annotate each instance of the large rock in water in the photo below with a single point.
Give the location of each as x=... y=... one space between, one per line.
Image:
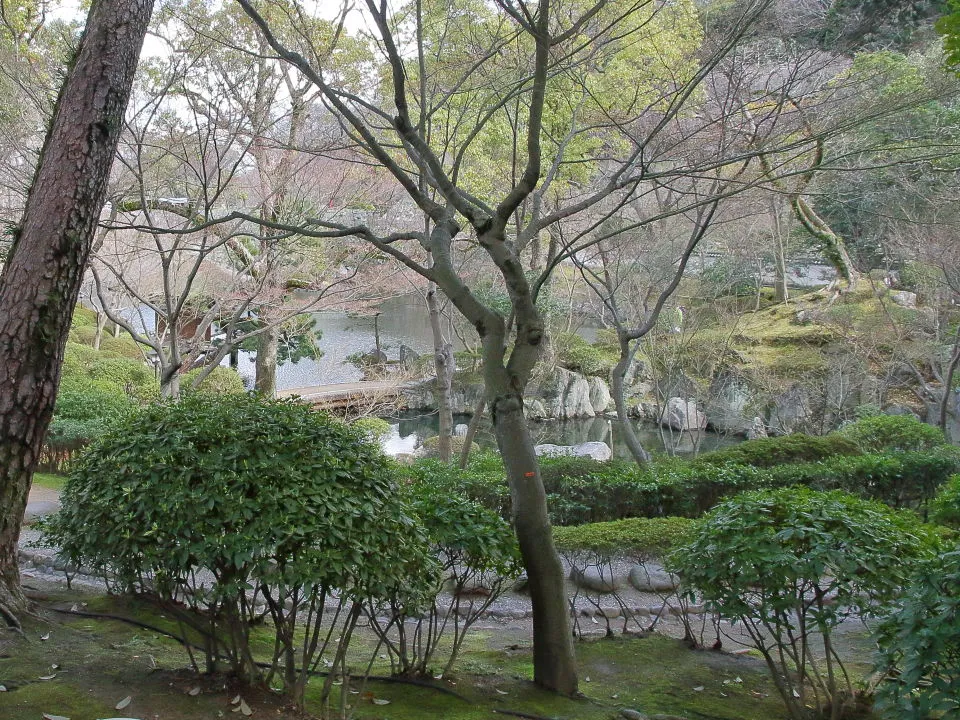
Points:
x=599 y=395
x=565 y=395
x=681 y=414
x=596 y=450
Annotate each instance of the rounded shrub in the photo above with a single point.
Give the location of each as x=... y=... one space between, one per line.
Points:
x=271 y=499
x=220 y=381
x=789 y=565
x=642 y=538
x=893 y=433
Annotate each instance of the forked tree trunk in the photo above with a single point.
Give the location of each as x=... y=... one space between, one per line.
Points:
x=42 y=278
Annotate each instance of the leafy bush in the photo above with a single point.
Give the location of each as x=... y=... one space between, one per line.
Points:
x=220 y=381
x=431 y=446
x=479 y=557
x=920 y=646
x=575 y=353
x=790 y=565
x=772 y=451
x=644 y=538
x=946 y=506
x=281 y=505
x=893 y=433
x=373 y=428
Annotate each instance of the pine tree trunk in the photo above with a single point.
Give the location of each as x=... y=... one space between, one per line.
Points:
x=265 y=382
x=42 y=279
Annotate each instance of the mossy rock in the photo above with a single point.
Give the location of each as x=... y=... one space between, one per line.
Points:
x=430 y=447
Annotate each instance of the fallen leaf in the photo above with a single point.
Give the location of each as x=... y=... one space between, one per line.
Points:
x=3 y=688
x=586 y=679
x=796 y=694
x=380 y=701
x=48 y=716
x=123 y=703
x=194 y=691
x=45 y=637
x=501 y=692
x=236 y=700
x=738 y=679
x=245 y=709
x=698 y=688
x=47 y=677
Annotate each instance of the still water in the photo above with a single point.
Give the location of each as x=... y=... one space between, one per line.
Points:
x=404 y=321
x=408 y=431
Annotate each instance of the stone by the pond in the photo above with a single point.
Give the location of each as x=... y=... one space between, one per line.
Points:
x=599 y=451
x=630 y=714
x=683 y=414
x=651 y=578
x=591 y=579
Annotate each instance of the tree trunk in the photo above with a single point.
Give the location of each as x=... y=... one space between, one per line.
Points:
x=101 y=326
x=266 y=366
x=472 y=432
x=782 y=292
x=443 y=363
x=42 y=278
x=617 y=375
x=553 y=657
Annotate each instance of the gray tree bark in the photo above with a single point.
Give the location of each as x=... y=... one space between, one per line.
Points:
x=42 y=278
x=265 y=382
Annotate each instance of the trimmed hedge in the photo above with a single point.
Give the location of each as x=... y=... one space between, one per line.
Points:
x=773 y=451
x=637 y=537
x=893 y=433
x=582 y=491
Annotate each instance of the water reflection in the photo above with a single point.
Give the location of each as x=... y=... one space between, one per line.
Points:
x=409 y=430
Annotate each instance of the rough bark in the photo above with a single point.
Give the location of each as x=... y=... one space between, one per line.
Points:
x=266 y=365
x=779 y=255
x=42 y=279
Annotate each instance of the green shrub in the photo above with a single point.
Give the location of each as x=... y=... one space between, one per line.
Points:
x=431 y=446
x=644 y=538
x=479 y=558
x=795 y=448
x=920 y=646
x=780 y=561
x=946 y=506
x=220 y=381
x=266 y=496
x=893 y=433
x=575 y=353
x=373 y=428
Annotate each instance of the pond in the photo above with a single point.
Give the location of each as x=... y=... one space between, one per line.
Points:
x=408 y=430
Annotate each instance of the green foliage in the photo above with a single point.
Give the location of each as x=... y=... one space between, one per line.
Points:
x=265 y=495
x=575 y=353
x=373 y=428
x=637 y=537
x=945 y=508
x=893 y=433
x=920 y=646
x=221 y=381
x=949 y=27
x=790 y=565
x=581 y=490
x=772 y=451
x=477 y=551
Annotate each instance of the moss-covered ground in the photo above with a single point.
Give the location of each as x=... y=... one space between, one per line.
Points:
x=82 y=667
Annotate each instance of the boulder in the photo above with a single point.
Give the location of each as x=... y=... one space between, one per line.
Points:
x=757 y=429
x=461 y=429
x=904 y=298
x=599 y=451
x=591 y=579
x=534 y=409
x=565 y=395
x=630 y=714
x=599 y=395
x=681 y=414
x=652 y=578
